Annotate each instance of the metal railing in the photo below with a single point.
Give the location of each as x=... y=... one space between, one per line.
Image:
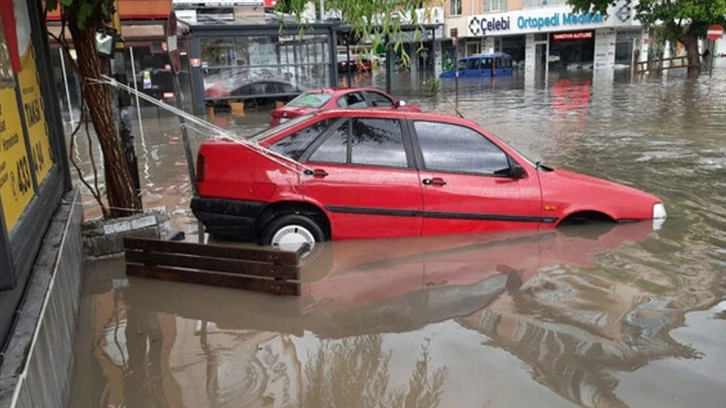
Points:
x=661 y=64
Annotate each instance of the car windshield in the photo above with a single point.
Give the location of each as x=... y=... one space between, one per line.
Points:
x=258 y=137
x=310 y=100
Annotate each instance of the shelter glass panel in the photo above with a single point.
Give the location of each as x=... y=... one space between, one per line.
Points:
x=272 y=65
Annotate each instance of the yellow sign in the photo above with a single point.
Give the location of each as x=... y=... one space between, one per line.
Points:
x=16 y=187
x=33 y=110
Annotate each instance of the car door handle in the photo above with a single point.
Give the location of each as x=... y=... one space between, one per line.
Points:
x=437 y=181
x=316 y=173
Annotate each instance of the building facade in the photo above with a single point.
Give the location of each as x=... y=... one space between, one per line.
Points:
x=546 y=36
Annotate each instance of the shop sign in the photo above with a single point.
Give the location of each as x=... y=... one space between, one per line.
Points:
x=538 y=20
x=16 y=187
x=31 y=97
x=582 y=35
x=196 y=4
x=558 y=20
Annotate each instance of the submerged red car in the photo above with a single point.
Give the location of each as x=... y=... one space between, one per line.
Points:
x=337 y=98
x=346 y=174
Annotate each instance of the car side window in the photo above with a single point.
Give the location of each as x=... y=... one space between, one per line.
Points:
x=377 y=142
x=294 y=145
x=335 y=148
x=378 y=100
x=472 y=63
x=458 y=149
x=353 y=100
x=373 y=142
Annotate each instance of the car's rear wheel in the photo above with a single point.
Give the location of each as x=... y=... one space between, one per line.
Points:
x=291 y=231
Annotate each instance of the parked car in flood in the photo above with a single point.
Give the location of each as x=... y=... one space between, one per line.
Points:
x=353 y=174
x=481 y=65
x=337 y=98
x=257 y=93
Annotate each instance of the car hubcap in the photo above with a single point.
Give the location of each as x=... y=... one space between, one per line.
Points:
x=292 y=237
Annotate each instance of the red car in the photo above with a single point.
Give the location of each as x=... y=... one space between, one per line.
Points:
x=345 y=174
x=337 y=98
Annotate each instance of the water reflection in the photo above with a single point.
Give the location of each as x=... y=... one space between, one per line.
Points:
x=376 y=323
x=596 y=317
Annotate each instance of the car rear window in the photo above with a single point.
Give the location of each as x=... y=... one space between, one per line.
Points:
x=294 y=145
x=310 y=100
x=258 y=137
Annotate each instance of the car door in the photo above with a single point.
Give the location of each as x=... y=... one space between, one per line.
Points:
x=465 y=184
x=364 y=176
x=472 y=68
x=487 y=64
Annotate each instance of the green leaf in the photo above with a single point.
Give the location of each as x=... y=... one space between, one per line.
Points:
x=51 y=5
x=85 y=11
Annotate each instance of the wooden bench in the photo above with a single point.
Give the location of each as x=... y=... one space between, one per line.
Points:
x=258 y=269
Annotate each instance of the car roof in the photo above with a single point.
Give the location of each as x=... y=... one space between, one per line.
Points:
x=393 y=114
x=341 y=90
x=494 y=55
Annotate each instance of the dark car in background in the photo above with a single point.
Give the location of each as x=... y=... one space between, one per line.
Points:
x=257 y=93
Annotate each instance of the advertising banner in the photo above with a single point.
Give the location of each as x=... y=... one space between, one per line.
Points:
x=31 y=96
x=16 y=187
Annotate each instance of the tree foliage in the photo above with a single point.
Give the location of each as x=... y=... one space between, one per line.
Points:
x=684 y=21
x=379 y=21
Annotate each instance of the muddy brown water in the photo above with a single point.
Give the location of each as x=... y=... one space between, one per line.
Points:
x=594 y=317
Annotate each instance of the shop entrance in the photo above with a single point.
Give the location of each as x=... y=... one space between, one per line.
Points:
x=626 y=48
x=540 y=65
x=572 y=51
x=514 y=46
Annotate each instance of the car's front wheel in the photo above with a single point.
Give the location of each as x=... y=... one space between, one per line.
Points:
x=291 y=231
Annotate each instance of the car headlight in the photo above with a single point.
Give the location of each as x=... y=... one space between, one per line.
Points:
x=659 y=215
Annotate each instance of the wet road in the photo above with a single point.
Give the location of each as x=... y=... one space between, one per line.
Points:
x=608 y=317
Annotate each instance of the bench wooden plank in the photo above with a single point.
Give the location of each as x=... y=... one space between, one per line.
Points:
x=277 y=287
x=233 y=266
x=217 y=251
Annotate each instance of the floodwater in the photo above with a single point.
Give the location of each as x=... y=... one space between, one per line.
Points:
x=590 y=316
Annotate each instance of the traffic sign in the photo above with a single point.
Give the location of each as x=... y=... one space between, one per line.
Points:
x=714 y=32
x=171 y=45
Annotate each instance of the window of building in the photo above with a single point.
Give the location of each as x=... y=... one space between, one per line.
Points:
x=455 y=7
x=542 y=3
x=495 y=5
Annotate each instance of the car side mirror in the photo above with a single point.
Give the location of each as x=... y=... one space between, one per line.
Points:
x=401 y=104
x=517 y=171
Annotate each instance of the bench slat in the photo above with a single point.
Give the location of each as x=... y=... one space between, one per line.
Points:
x=233 y=266
x=276 y=287
x=217 y=251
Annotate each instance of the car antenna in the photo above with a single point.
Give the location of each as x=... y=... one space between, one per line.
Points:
x=456 y=108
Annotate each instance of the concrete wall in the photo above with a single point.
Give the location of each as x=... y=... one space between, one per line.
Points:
x=39 y=359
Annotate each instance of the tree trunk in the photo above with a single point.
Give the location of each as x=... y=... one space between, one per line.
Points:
x=122 y=197
x=690 y=42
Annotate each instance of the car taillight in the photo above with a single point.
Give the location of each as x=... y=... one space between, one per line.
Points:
x=201 y=167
